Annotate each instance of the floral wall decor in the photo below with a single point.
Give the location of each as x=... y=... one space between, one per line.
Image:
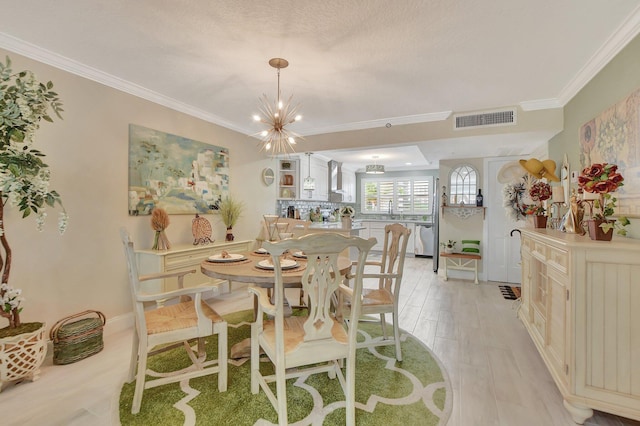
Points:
x=178 y=174
x=516 y=199
x=614 y=137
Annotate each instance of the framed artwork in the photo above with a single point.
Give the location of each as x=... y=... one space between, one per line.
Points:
x=613 y=137
x=178 y=174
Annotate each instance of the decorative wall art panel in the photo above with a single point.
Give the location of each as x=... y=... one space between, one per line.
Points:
x=614 y=137
x=178 y=174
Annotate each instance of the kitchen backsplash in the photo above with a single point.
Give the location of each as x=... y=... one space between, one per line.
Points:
x=304 y=207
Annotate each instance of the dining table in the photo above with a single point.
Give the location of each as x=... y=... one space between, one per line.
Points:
x=255 y=267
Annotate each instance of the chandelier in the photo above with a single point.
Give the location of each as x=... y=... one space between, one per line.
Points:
x=276 y=138
x=309 y=182
x=374 y=169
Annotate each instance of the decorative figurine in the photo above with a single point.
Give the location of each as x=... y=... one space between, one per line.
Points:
x=201 y=229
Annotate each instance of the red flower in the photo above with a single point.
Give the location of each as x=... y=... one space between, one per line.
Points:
x=600 y=178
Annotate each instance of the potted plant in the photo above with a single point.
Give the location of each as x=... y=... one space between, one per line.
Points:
x=230 y=211
x=539 y=192
x=449 y=246
x=602 y=179
x=24 y=184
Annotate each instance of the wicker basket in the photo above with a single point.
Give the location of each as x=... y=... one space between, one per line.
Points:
x=73 y=341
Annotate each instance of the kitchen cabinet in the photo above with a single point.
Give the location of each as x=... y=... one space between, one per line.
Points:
x=320 y=172
x=579 y=305
x=348 y=186
x=376 y=229
x=289 y=183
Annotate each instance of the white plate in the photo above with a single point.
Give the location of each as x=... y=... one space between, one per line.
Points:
x=262 y=251
x=299 y=254
x=233 y=257
x=285 y=264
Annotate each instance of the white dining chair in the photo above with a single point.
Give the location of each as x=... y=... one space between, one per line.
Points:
x=176 y=324
x=314 y=343
x=384 y=299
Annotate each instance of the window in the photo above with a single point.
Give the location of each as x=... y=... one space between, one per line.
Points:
x=409 y=195
x=463 y=182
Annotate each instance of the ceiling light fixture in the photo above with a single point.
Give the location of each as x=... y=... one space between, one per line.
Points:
x=375 y=169
x=309 y=182
x=277 y=139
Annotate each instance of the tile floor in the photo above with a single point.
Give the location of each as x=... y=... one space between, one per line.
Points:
x=497 y=376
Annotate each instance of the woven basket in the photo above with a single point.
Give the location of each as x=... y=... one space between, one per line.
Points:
x=73 y=341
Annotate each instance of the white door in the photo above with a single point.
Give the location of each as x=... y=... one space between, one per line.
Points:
x=502 y=254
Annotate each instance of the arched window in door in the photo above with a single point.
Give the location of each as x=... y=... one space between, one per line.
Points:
x=463 y=185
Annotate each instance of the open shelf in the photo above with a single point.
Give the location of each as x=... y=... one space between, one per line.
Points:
x=464 y=212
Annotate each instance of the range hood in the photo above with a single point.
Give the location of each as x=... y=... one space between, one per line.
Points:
x=335 y=181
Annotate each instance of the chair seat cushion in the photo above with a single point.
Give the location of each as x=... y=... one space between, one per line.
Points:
x=376 y=297
x=177 y=317
x=294 y=332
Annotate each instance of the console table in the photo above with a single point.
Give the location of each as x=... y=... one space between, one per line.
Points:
x=581 y=307
x=183 y=258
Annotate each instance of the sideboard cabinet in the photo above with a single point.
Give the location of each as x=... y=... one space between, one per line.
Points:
x=581 y=307
x=184 y=258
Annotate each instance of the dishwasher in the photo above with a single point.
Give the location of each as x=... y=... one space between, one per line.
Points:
x=424 y=240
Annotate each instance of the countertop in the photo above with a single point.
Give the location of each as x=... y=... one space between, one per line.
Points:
x=396 y=220
x=335 y=226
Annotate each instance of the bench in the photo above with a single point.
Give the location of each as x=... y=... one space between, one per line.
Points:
x=462 y=262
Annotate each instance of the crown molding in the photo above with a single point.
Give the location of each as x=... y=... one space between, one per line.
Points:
x=540 y=104
x=45 y=56
x=627 y=31
x=394 y=121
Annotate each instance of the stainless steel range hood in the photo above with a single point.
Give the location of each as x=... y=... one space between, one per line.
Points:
x=335 y=181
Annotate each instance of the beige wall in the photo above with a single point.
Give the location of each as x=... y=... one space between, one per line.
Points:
x=616 y=80
x=88 y=156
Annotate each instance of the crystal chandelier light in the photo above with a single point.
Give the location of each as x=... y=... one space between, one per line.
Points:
x=374 y=169
x=277 y=138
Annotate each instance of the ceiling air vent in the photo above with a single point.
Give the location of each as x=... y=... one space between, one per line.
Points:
x=493 y=118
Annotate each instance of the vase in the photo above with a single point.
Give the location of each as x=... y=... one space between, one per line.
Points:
x=22 y=355
x=229 y=236
x=448 y=249
x=539 y=221
x=596 y=232
x=347 y=222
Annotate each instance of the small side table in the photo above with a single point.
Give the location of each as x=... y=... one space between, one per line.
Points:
x=462 y=262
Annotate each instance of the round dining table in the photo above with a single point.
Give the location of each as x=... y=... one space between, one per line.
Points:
x=246 y=269
x=243 y=267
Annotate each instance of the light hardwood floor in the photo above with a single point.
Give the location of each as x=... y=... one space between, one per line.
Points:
x=497 y=376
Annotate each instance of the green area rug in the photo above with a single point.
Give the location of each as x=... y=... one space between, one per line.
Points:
x=414 y=391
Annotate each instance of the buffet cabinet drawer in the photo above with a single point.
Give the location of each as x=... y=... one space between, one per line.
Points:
x=183 y=258
x=558 y=259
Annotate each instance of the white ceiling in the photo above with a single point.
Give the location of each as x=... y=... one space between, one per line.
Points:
x=355 y=64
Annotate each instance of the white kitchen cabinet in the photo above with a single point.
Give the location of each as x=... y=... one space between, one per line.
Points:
x=320 y=172
x=376 y=229
x=183 y=258
x=348 y=186
x=412 y=237
x=580 y=303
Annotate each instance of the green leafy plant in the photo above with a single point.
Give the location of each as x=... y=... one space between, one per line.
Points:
x=24 y=176
x=230 y=211
x=449 y=244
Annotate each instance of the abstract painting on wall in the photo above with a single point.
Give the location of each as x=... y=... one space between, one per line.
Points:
x=178 y=174
x=614 y=137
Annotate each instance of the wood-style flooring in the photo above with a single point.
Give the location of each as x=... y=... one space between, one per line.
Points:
x=497 y=376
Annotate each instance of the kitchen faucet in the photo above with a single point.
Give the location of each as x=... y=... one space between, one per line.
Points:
x=390 y=206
